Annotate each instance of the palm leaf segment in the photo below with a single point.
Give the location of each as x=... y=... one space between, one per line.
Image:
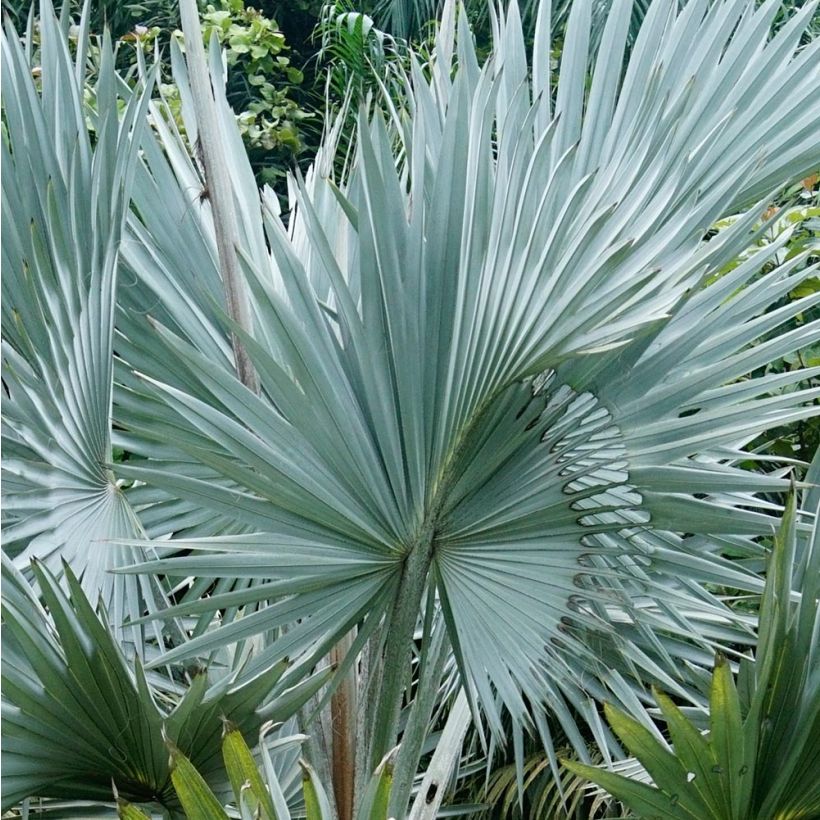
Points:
x=503 y=363
x=66 y=193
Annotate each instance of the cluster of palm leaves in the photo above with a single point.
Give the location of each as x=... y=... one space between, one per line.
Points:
x=455 y=442
x=761 y=750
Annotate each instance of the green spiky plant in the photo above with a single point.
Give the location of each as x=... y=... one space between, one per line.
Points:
x=759 y=759
x=73 y=703
x=483 y=398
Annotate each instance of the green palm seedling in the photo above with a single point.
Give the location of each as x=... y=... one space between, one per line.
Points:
x=490 y=378
x=77 y=715
x=759 y=758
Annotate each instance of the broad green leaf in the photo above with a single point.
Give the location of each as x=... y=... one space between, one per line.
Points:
x=666 y=769
x=695 y=753
x=376 y=797
x=246 y=782
x=650 y=803
x=727 y=741
x=193 y=792
x=317 y=806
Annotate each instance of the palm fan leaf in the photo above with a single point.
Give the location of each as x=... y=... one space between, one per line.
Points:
x=499 y=359
x=66 y=193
